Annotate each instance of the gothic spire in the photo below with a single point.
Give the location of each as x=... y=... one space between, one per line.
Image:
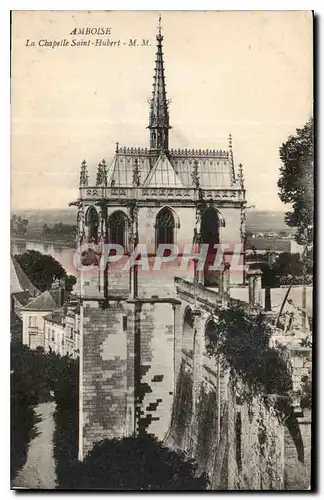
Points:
x=159 y=113
x=84 y=178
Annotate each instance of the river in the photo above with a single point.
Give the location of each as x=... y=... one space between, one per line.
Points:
x=62 y=252
x=64 y=255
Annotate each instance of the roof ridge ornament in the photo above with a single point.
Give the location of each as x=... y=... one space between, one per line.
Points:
x=240 y=175
x=195 y=175
x=230 y=155
x=84 y=177
x=136 y=174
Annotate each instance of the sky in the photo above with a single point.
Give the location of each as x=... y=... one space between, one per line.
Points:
x=245 y=73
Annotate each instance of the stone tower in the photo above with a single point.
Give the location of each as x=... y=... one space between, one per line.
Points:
x=130 y=322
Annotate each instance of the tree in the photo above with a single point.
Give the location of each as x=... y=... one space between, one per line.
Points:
x=42 y=269
x=18 y=225
x=288 y=264
x=296 y=181
x=136 y=463
x=34 y=374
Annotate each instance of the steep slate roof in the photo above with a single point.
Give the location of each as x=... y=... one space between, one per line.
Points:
x=120 y=172
x=43 y=302
x=214 y=167
x=163 y=174
x=23 y=297
x=19 y=282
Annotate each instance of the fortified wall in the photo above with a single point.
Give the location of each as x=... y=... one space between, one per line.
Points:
x=239 y=442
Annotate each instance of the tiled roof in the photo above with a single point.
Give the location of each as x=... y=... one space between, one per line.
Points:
x=19 y=282
x=43 y=302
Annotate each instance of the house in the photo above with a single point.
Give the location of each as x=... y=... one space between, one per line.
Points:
x=34 y=312
x=62 y=331
x=22 y=291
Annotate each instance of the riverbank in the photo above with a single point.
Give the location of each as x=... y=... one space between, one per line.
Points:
x=67 y=243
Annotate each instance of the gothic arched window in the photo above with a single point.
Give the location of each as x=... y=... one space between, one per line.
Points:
x=210 y=227
x=92 y=224
x=164 y=227
x=209 y=230
x=117 y=228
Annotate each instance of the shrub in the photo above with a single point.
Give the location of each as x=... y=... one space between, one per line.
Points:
x=136 y=463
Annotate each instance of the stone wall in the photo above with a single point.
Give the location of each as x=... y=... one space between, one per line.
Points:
x=298 y=472
x=104 y=377
x=127 y=350
x=239 y=445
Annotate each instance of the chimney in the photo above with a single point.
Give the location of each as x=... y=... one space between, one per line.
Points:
x=57 y=291
x=255 y=289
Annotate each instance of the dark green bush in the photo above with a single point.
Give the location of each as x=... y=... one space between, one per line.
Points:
x=136 y=463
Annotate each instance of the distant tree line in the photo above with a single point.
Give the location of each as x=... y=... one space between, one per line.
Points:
x=59 y=230
x=18 y=226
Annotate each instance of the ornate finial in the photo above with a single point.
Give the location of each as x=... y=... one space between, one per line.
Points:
x=195 y=174
x=240 y=175
x=230 y=141
x=84 y=178
x=100 y=175
x=117 y=147
x=136 y=174
x=104 y=171
x=159 y=26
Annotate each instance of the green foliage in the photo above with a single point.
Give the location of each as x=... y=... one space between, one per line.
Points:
x=242 y=341
x=296 y=181
x=18 y=226
x=136 y=463
x=42 y=270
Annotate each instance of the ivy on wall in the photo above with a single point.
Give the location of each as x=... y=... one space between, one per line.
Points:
x=241 y=343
